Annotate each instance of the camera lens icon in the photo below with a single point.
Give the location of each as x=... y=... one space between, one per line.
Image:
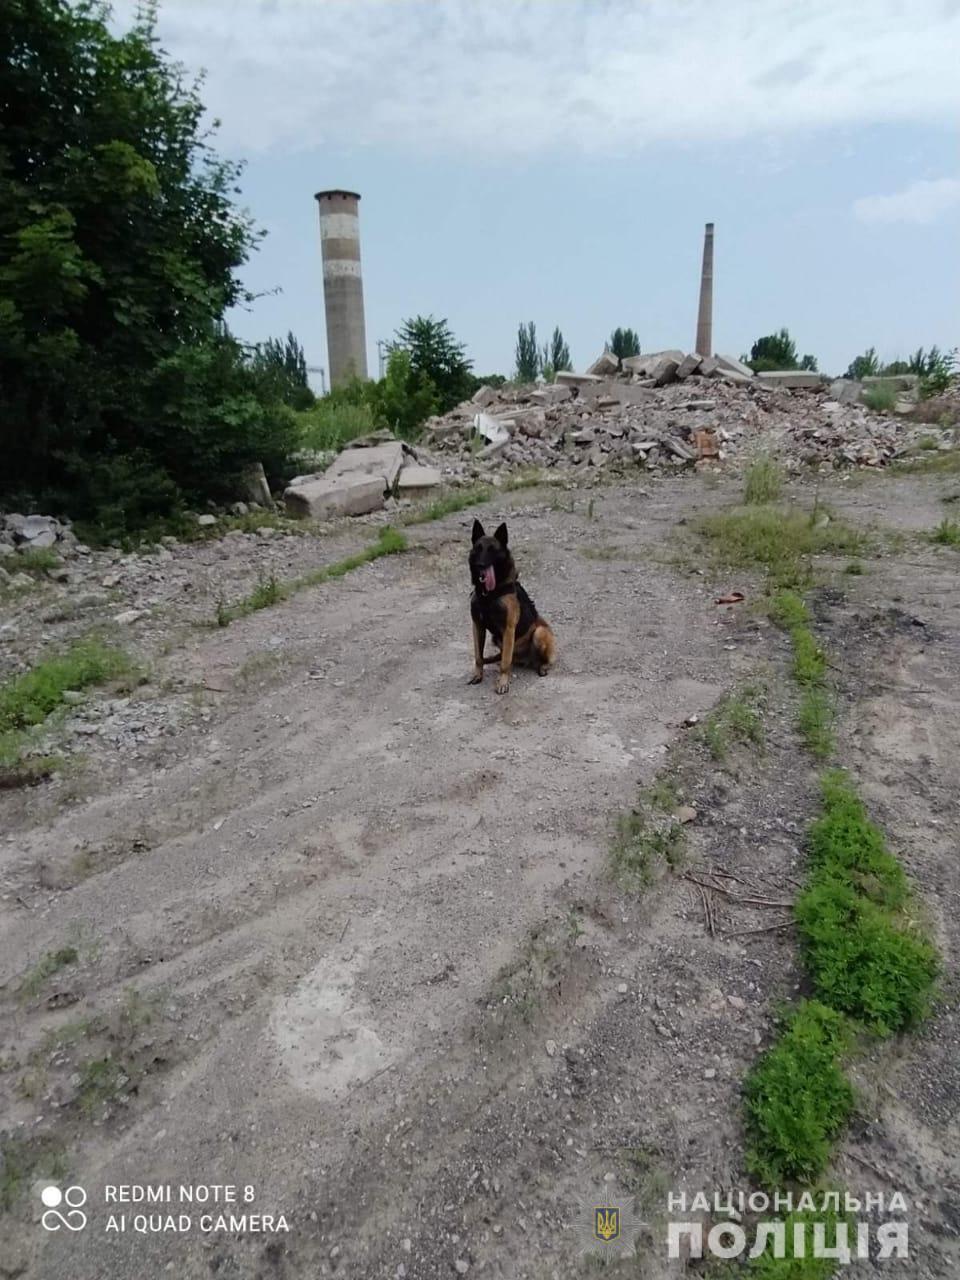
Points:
x=52 y=1198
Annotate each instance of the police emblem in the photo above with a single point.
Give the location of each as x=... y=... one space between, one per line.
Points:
x=607 y=1226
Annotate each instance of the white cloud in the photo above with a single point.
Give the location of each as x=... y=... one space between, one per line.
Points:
x=524 y=76
x=921 y=202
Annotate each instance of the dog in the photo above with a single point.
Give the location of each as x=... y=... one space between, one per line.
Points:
x=500 y=605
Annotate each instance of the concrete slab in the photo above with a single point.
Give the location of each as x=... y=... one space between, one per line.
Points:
x=689 y=364
x=352 y=494
x=484 y=396
x=791 y=378
x=382 y=460
x=416 y=481
x=607 y=363
x=735 y=366
x=665 y=370
x=845 y=390
x=566 y=378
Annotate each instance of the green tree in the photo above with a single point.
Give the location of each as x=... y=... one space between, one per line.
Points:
x=559 y=352
x=864 y=366
x=286 y=364
x=119 y=246
x=527 y=356
x=405 y=397
x=775 y=351
x=436 y=354
x=624 y=343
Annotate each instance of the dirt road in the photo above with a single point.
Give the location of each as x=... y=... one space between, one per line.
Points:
x=347 y=935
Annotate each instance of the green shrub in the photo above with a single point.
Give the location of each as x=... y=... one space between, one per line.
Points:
x=859 y=960
x=30 y=698
x=764 y=481
x=881 y=397
x=797 y=1098
x=947 y=533
x=800 y=1265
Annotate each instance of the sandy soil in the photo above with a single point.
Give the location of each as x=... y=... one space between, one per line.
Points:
x=346 y=931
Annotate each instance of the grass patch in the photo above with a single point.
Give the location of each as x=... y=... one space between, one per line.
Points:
x=763 y=483
x=271 y=591
x=779 y=540
x=863 y=951
x=947 y=533
x=800 y=1265
x=815 y=723
x=815 y=713
x=736 y=719
x=639 y=850
x=36 y=560
x=102 y=1081
x=854 y=569
x=30 y=698
x=50 y=962
x=797 y=1098
x=23 y=1161
x=448 y=504
x=330 y=424
x=881 y=397
x=946 y=463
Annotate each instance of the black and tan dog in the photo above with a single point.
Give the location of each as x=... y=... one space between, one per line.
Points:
x=501 y=606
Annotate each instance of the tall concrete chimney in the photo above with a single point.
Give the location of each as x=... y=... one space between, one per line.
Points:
x=705 y=315
x=342 y=285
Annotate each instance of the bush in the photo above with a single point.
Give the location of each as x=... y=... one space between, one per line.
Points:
x=764 y=481
x=797 y=1098
x=880 y=397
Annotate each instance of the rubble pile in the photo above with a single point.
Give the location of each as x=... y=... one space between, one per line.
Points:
x=667 y=410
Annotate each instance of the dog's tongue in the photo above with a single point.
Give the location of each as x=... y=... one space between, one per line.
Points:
x=489 y=578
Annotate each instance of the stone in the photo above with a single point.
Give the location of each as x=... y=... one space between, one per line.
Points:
x=845 y=390
x=21 y=580
x=551 y=1048
x=736 y=1002
x=689 y=364
x=734 y=366
x=790 y=378
x=239 y=509
x=483 y=396
x=554 y=393
x=382 y=460
x=678 y=449
x=254 y=486
x=710 y=1073
x=320 y=498
x=414 y=481
x=665 y=370
x=607 y=363
x=206 y=522
x=686 y=813
x=566 y=378
x=129 y=617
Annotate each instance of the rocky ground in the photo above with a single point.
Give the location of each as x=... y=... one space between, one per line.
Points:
x=342 y=928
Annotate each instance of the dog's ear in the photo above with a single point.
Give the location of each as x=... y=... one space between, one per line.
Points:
x=501 y=535
x=477 y=531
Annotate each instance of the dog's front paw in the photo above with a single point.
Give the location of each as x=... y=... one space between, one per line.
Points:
x=476 y=677
x=503 y=683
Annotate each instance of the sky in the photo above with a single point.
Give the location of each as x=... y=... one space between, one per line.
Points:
x=556 y=160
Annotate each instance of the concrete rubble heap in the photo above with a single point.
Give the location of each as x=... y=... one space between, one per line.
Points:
x=667 y=410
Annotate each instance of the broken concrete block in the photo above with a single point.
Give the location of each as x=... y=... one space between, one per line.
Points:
x=555 y=393
x=845 y=390
x=382 y=460
x=568 y=379
x=730 y=375
x=254 y=486
x=351 y=494
x=734 y=366
x=665 y=369
x=791 y=378
x=689 y=364
x=607 y=363
x=206 y=522
x=678 y=449
x=484 y=396
x=708 y=366
x=416 y=481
